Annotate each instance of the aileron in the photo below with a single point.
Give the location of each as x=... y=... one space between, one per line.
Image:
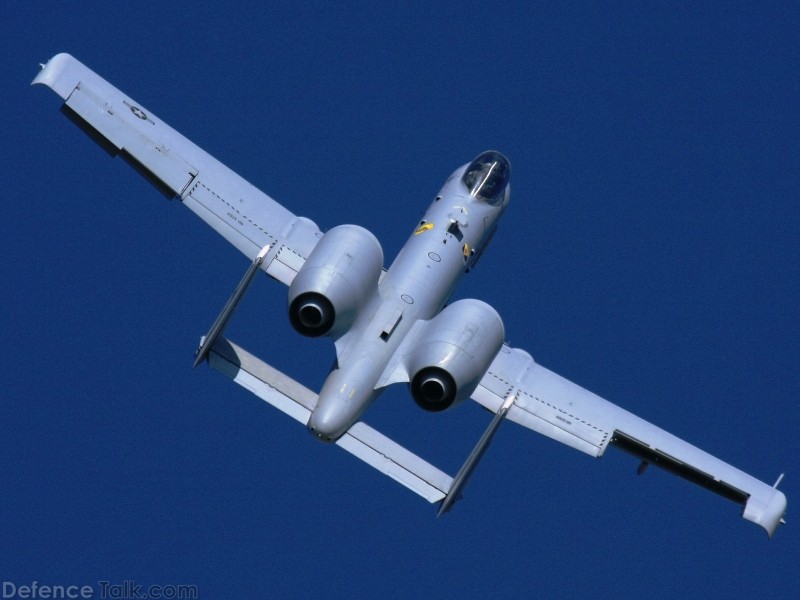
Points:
x=553 y=406
x=239 y=212
x=681 y=469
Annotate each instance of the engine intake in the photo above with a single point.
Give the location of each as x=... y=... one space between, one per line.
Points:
x=453 y=353
x=337 y=279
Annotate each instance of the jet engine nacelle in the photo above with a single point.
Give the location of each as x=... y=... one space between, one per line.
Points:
x=452 y=354
x=339 y=276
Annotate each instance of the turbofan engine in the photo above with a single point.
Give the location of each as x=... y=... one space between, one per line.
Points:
x=452 y=354
x=339 y=276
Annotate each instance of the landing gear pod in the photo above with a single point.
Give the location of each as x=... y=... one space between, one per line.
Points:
x=453 y=353
x=337 y=279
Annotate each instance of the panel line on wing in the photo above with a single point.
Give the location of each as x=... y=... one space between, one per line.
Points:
x=564 y=412
x=568 y=422
x=204 y=195
x=239 y=214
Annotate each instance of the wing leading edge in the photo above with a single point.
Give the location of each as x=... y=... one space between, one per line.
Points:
x=566 y=412
x=238 y=211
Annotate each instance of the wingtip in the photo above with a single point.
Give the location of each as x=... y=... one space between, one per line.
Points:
x=41 y=76
x=62 y=66
x=768 y=513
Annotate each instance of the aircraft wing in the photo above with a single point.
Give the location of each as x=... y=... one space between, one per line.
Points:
x=243 y=215
x=297 y=401
x=555 y=407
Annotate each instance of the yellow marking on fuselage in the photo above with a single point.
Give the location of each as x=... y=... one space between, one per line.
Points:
x=424 y=227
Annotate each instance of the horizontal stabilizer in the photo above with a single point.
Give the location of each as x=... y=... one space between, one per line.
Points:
x=297 y=401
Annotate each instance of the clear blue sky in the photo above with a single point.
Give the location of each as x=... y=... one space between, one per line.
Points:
x=651 y=253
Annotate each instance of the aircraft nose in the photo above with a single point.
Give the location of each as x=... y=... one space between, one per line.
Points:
x=487 y=177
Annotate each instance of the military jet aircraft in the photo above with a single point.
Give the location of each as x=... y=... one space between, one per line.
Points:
x=390 y=325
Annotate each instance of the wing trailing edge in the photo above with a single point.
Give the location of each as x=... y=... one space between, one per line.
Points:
x=554 y=406
x=178 y=168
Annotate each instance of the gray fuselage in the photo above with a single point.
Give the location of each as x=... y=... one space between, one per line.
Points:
x=415 y=288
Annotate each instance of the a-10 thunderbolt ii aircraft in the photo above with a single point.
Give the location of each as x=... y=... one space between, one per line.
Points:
x=388 y=326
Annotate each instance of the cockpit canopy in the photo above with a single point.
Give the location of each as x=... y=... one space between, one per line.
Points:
x=487 y=177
